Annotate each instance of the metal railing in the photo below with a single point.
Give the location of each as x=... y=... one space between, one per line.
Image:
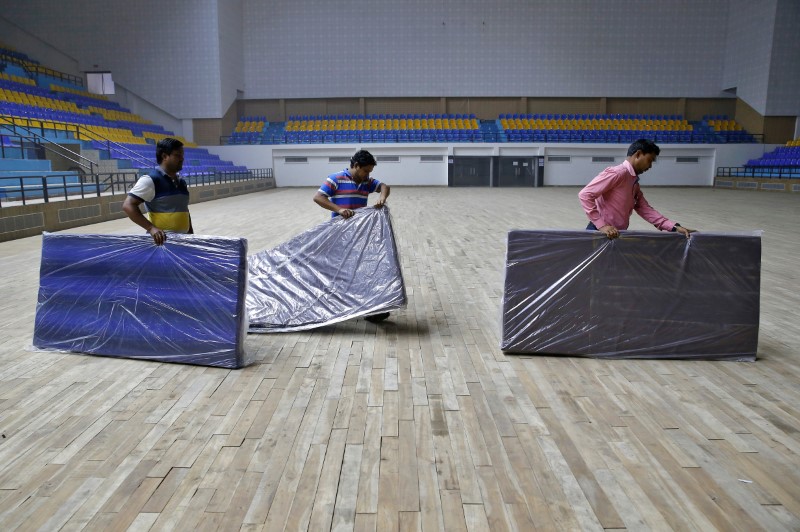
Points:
x=44 y=189
x=760 y=172
x=36 y=128
x=37 y=143
x=127 y=153
x=35 y=69
x=19 y=150
x=49 y=72
x=227 y=176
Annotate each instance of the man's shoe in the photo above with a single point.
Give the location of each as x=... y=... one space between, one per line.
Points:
x=375 y=318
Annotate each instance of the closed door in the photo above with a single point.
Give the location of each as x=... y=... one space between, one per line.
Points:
x=516 y=172
x=471 y=172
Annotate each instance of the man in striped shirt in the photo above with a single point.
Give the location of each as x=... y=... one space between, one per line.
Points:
x=345 y=191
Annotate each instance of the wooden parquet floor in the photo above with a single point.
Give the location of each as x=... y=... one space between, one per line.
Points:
x=418 y=423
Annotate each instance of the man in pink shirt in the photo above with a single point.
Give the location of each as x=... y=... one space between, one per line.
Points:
x=611 y=197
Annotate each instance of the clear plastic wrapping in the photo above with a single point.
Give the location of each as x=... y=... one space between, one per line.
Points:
x=341 y=269
x=123 y=296
x=642 y=295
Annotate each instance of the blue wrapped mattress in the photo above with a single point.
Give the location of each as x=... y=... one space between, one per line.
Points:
x=123 y=296
x=642 y=295
x=341 y=269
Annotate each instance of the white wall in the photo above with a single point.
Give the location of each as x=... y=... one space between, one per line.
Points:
x=256 y=156
x=411 y=171
x=667 y=171
x=739 y=154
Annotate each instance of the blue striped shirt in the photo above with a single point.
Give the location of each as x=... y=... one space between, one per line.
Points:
x=343 y=191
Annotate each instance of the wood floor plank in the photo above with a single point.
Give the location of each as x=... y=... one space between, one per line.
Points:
x=474 y=435
x=388 y=484
x=391 y=414
x=300 y=512
x=325 y=497
x=344 y=512
x=165 y=490
x=475 y=518
x=430 y=499
x=495 y=508
x=270 y=459
x=408 y=481
x=445 y=462
x=465 y=468
x=367 y=502
x=676 y=481
x=659 y=510
x=287 y=487
x=529 y=488
x=503 y=473
x=366 y=523
x=358 y=418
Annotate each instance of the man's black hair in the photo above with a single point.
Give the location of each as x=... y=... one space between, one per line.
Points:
x=362 y=158
x=165 y=147
x=646 y=145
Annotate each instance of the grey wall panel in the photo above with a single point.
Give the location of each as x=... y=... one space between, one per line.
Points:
x=190 y=57
x=783 y=93
x=749 y=41
x=315 y=48
x=167 y=53
x=231 y=51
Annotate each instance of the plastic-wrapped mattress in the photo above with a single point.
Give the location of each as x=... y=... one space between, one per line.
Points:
x=341 y=269
x=642 y=295
x=123 y=296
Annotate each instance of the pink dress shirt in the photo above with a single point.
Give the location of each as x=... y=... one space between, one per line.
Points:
x=611 y=197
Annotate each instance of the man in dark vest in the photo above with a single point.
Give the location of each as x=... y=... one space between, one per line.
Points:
x=164 y=193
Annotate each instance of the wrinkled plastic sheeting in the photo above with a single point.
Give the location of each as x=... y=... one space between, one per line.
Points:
x=123 y=296
x=339 y=270
x=642 y=295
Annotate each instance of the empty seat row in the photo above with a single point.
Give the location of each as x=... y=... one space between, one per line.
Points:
x=381 y=116
x=587 y=116
x=780 y=157
x=381 y=124
x=524 y=123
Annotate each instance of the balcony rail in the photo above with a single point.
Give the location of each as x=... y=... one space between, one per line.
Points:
x=44 y=189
